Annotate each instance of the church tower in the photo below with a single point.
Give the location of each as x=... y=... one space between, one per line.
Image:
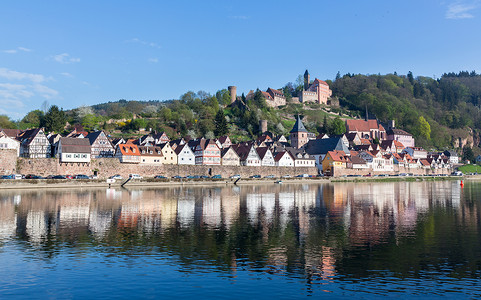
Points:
x=306 y=80
x=298 y=134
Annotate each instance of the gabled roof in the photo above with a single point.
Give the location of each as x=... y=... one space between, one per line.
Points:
x=338 y=155
x=280 y=155
x=243 y=150
x=322 y=146
x=356 y=160
x=27 y=136
x=318 y=81
x=262 y=151
x=145 y=151
x=13 y=133
x=223 y=139
x=298 y=126
x=363 y=126
x=179 y=149
x=225 y=150
x=74 y=145
x=93 y=136
x=129 y=149
x=395 y=131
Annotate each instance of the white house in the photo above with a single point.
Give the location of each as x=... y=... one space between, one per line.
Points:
x=248 y=155
x=284 y=159
x=7 y=142
x=185 y=155
x=267 y=159
x=73 y=150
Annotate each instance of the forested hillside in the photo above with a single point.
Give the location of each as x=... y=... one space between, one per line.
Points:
x=451 y=104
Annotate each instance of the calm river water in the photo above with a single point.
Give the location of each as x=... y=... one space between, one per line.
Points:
x=368 y=240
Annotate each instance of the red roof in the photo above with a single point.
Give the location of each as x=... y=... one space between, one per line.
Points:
x=363 y=126
x=338 y=155
x=129 y=149
x=318 y=81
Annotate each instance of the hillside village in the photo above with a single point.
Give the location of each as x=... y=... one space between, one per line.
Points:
x=366 y=148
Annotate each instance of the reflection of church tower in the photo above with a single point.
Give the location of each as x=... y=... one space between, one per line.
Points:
x=298 y=134
x=306 y=80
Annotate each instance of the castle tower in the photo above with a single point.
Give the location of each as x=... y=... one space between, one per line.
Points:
x=233 y=93
x=306 y=80
x=262 y=126
x=298 y=134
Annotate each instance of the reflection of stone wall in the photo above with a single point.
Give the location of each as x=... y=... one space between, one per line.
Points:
x=397 y=170
x=8 y=160
x=110 y=166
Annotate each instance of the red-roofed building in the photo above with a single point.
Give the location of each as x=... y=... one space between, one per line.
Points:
x=369 y=129
x=128 y=153
x=318 y=91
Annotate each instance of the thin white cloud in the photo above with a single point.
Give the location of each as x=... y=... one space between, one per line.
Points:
x=14 y=75
x=153 y=60
x=19 y=89
x=141 y=42
x=65 y=58
x=461 y=10
x=45 y=91
x=24 y=49
x=13 y=51
x=66 y=74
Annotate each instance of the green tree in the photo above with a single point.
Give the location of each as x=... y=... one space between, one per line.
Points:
x=54 y=119
x=33 y=118
x=220 y=124
x=423 y=128
x=468 y=154
x=338 y=126
x=5 y=122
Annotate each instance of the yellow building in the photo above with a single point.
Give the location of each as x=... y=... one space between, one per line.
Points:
x=336 y=159
x=169 y=155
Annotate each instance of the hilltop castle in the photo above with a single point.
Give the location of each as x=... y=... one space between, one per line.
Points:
x=318 y=91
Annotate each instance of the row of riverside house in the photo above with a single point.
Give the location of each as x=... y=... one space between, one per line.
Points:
x=366 y=146
x=80 y=147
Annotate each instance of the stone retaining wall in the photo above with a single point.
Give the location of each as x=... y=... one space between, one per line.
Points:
x=106 y=167
x=8 y=162
x=343 y=172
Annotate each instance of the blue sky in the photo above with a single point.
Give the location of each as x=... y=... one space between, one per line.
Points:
x=73 y=53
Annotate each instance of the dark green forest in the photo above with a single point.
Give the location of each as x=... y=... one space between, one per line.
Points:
x=436 y=111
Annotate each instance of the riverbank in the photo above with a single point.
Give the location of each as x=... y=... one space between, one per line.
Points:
x=69 y=184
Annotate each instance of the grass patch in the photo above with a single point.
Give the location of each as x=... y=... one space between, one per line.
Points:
x=466 y=169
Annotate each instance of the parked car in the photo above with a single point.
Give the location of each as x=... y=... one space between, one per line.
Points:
x=255 y=176
x=70 y=176
x=32 y=176
x=58 y=177
x=286 y=176
x=7 y=177
x=270 y=176
x=216 y=177
x=80 y=176
x=204 y=176
x=160 y=177
x=177 y=177
x=303 y=175
x=235 y=176
x=135 y=176
x=116 y=177
x=457 y=173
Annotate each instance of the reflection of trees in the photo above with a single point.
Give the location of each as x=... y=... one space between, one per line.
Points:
x=314 y=230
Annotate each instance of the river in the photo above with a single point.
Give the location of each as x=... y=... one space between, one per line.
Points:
x=338 y=240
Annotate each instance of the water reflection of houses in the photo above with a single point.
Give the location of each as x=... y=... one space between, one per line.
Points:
x=8 y=218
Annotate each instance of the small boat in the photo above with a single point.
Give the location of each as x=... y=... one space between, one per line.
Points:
x=278 y=181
